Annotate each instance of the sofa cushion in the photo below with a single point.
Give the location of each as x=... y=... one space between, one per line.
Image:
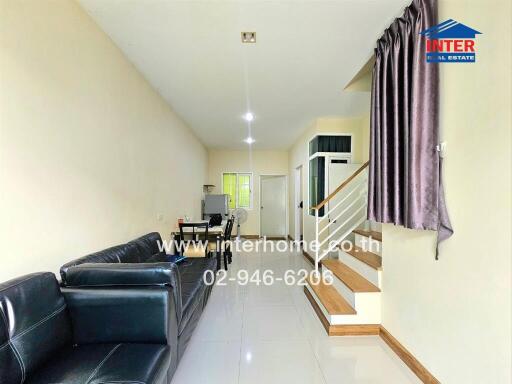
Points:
x=106 y=363
x=193 y=286
x=158 y=258
x=34 y=325
x=192 y=295
x=121 y=274
x=148 y=245
x=124 y=253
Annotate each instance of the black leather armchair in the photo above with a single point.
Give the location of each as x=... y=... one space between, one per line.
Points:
x=49 y=335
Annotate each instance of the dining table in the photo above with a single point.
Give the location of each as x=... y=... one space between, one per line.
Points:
x=214 y=233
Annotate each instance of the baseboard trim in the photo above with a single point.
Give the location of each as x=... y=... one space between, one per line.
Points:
x=276 y=238
x=290 y=238
x=308 y=257
x=374 y=329
x=414 y=365
x=250 y=237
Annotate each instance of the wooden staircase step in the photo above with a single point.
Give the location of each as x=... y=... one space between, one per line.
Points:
x=369 y=258
x=330 y=298
x=373 y=234
x=353 y=280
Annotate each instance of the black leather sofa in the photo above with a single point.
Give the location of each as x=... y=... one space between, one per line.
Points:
x=51 y=335
x=140 y=263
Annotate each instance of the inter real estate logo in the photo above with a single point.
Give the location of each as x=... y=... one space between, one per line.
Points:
x=450 y=42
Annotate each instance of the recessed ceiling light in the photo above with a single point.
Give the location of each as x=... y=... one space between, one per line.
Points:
x=249 y=140
x=249 y=116
x=248 y=37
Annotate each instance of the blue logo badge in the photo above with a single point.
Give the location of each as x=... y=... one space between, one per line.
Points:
x=450 y=42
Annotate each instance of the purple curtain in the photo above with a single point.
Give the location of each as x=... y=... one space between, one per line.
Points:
x=405 y=167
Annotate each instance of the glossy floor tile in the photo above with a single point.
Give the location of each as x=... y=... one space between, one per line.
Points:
x=272 y=323
x=212 y=362
x=279 y=362
x=270 y=334
x=360 y=359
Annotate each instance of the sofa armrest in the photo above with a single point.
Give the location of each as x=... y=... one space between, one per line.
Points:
x=121 y=314
x=127 y=275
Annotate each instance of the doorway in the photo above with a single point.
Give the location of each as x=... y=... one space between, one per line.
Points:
x=273 y=206
x=299 y=205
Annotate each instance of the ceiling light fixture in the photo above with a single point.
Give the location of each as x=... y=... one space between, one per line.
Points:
x=249 y=140
x=249 y=116
x=248 y=37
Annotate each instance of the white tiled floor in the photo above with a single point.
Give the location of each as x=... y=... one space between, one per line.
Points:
x=270 y=334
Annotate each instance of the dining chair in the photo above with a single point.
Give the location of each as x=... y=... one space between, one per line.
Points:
x=222 y=245
x=227 y=239
x=194 y=242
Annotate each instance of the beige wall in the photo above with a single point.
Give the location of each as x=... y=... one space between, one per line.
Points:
x=259 y=163
x=90 y=154
x=299 y=155
x=454 y=314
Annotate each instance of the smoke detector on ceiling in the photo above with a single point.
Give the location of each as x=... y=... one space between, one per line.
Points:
x=248 y=37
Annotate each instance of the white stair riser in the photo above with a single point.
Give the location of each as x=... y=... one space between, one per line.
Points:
x=374 y=226
x=367 y=308
x=369 y=225
x=374 y=247
x=369 y=273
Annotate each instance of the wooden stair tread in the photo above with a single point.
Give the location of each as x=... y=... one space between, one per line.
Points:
x=330 y=298
x=353 y=280
x=373 y=234
x=369 y=258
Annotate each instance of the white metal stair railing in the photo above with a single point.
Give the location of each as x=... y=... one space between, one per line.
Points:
x=350 y=216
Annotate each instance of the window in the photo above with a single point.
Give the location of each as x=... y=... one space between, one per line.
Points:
x=328 y=143
x=323 y=150
x=239 y=188
x=316 y=183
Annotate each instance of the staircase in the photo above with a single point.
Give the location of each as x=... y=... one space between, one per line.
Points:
x=348 y=297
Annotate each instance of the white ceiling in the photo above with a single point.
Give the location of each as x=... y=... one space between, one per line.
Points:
x=306 y=52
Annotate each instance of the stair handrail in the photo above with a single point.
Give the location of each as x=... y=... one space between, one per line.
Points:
x=317 y=208
x=341 y=186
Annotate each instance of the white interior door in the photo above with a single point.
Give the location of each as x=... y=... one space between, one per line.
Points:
x=273 y=206
x=339 y=170
x=301 y=216
x=298 y=204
